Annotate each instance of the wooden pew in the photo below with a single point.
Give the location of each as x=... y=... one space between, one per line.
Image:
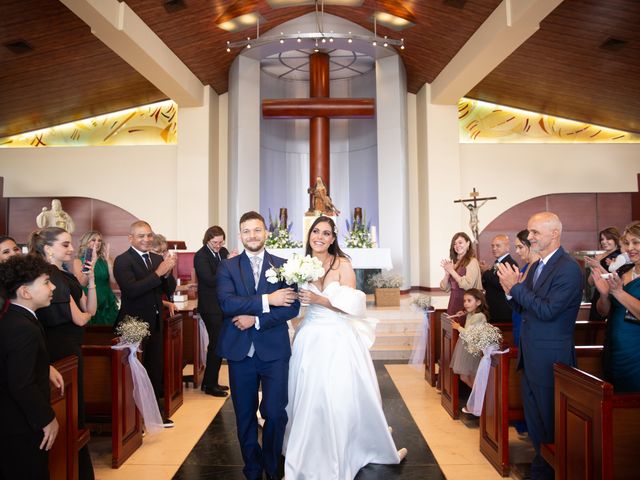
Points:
x=191 y=341
x=432 y=349
x=597 y=432
x=108 y=395
x=63 y=456
x=586 y=333
x=503 y=404
x=449 y=397
x=173 y=363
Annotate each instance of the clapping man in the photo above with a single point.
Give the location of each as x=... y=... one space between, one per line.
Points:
x=549 y=300
x=499 y=308
x=143 y=277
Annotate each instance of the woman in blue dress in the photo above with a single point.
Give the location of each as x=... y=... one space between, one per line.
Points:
x=620 y=302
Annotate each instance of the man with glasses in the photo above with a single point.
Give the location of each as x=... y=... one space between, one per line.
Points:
x=205 y=262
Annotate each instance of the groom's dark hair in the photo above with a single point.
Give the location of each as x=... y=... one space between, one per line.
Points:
x=252 y=216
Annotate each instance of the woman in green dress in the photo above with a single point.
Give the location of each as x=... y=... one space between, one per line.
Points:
x=620 y=303
x=103 y=269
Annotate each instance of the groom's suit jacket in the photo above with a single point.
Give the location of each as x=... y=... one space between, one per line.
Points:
x=238 y=295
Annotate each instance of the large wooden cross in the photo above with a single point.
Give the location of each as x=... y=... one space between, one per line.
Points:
x=319 y=109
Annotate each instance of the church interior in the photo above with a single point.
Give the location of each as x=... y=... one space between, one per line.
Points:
x=393 y=115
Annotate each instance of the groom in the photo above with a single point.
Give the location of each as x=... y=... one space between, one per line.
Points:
x=255 y=342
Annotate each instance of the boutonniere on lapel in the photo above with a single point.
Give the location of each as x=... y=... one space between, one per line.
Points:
x=495 y=267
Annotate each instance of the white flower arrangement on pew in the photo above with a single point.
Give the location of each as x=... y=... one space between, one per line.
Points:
x=421 y=302
x=132 y=330
x=386 y=280
x=298 y=269
x=480 y=337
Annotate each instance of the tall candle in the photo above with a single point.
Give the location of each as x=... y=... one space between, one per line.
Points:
x=374 y=238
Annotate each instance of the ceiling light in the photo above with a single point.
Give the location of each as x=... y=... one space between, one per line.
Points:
x=391 y=21
x=240 y=23
x=298 y=3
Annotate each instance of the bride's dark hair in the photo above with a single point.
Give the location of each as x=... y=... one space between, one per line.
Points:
x=334 y=248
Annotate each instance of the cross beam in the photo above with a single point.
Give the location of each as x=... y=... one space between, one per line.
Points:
x=319 y=109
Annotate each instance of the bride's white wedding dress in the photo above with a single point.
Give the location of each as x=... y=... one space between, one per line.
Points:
x=336 y=423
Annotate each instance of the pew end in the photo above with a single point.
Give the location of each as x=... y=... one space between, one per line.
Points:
x=597 y=432
x=63 y=456
x=109 y=399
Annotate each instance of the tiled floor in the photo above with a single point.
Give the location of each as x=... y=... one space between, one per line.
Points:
x=412 y=407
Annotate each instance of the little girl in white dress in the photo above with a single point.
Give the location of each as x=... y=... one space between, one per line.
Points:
x=462 y=362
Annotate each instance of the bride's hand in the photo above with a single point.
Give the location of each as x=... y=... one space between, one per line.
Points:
x=307 y=296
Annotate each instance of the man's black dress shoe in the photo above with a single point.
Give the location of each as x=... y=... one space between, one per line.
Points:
x=223 y=387
x=216 y=392
x=167 y=423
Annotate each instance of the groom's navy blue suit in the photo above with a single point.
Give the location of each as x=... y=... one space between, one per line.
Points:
x=269 y=365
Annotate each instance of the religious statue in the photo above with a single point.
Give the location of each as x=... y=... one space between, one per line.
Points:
x=322 y=204
x=473 y=218
x=473 y=206
x=56 y=217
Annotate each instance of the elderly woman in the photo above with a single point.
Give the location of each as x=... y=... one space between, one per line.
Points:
x=93 y=248
x=619 y=302
x=461 y=271
x=69 y=312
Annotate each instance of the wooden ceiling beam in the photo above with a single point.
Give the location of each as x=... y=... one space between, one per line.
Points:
x=506 y=29
x=120 y=29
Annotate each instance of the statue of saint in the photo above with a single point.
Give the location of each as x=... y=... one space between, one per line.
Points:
x=56 y=217
x=322 y=204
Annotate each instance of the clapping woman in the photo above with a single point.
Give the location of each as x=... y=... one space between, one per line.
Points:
x=610 y=244
x=619 y=302
x=461 y=271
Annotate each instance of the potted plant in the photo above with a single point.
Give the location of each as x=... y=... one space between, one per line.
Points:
x=386 y=287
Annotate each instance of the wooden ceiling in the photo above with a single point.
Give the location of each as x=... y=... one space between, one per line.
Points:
x=561 y=70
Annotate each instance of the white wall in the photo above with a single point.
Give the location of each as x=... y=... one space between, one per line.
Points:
x=517 y=172
x=139 y=179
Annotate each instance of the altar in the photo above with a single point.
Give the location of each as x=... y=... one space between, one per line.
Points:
x=365 y=261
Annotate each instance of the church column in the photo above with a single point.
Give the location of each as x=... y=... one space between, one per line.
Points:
x=391 y=115
x=197 y=170
x=244 y=142
x=438 y=152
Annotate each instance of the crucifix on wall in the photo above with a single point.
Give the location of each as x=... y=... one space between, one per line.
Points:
x=319 y=108
x=473 y=207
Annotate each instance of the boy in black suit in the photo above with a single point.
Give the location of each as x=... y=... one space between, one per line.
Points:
x=29 y=426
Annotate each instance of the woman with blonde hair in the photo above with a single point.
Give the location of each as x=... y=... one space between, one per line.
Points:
x=92 y=247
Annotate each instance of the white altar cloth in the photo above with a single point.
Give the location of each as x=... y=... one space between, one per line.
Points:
x=360 y=257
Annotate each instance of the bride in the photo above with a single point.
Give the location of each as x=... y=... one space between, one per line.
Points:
x=336 y=423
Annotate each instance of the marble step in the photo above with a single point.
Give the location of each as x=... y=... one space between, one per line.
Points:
x=409 y=327
x=391 y=352
x=394 y=338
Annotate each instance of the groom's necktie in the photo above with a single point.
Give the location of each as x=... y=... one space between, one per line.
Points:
x=147 y=261
x=256 y=263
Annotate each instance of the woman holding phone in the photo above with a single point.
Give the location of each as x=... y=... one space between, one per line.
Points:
x=92 y=248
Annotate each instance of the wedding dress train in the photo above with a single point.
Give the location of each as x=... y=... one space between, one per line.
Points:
x=336 y=423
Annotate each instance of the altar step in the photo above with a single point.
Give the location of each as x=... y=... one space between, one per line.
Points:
x=396 y=330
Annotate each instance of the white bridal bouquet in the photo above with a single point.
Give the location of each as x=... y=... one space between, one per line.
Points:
x=479 y=337
x=297 y=269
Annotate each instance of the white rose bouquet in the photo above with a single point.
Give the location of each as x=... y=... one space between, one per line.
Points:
x=297 y=269
x=479 y=337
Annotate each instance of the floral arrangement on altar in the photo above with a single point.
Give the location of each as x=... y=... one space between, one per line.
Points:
x=386 y=280
x=423 y=302
x=480 y=337
x=132 y=330
x=280 y=235
x=297 y=269
x=358 y=233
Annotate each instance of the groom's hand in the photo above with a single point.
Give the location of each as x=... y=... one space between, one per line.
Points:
x=283 y=297
x=242 y=322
